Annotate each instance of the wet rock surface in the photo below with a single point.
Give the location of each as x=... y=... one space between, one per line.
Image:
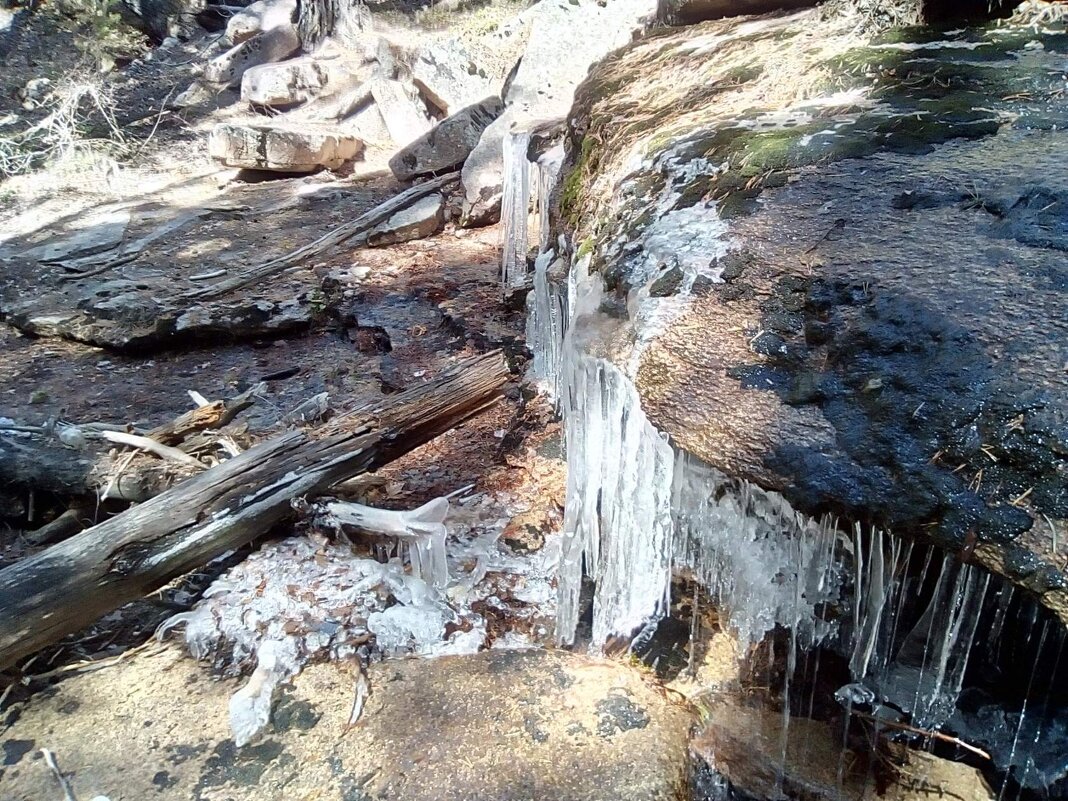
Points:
x=497 y=725
x=878 y=329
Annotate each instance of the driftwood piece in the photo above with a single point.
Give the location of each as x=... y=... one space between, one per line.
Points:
x=66 y=587
x=361 y=226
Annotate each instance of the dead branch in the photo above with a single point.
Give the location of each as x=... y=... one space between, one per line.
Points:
x=358 y=227
x=937 y=735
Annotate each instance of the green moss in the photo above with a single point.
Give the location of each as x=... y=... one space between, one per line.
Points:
x=586 y=248
x=571 y=193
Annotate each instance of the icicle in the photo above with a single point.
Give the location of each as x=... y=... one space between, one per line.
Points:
x=250 y=707
x=547 y=170
x=1023 y=712
x=764 y=564
x=515 y=210
x=931 y=662
x=546 y=324
x=423 y=529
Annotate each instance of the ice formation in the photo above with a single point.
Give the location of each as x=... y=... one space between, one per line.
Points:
x=546 y=322
x=307 y=597
x=515 y=210
x=525 y=183
x=250 y=707
x=422 y=530
x=638 y=511
x=921 y=670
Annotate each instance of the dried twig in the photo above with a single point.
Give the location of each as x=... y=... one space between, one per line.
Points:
x=937 y=735
x=150 y=445
x=358 y=227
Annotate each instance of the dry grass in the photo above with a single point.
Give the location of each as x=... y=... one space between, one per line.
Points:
x=867 y=17
x=61 y=140
x=1037 y=13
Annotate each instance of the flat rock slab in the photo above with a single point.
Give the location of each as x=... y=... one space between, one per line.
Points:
x=403 y=111
x=448 y=77
x=448 y=143
x=96 y=234
x=496 y=725
x=282 y=149
x=420 y=220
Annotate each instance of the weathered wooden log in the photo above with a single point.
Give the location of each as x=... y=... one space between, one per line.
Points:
x=67 y=586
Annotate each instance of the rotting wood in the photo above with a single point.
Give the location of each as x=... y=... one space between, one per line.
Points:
x=362 y=225
x=66 y=587
x=214 y=414
x=76 y=518
x=151 y=446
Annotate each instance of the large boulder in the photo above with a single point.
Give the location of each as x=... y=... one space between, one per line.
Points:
x=494 y=726
x=448 y=143
x=449 y=78
x=263 y=15
x=687 y=12
x=263 y=48
x=402 y=109
x=280 y=148
x=286 y=83
x=852 y=293
x=565 y=39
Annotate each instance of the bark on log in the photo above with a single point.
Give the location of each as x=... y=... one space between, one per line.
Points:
x=69 y=585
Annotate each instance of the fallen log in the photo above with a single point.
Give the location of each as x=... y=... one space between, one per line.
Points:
x=64 y=588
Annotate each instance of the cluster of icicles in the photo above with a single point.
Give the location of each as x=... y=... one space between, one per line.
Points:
x=639 y=510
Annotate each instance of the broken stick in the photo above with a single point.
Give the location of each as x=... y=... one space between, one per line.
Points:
x=360 y=226
x=64 y=588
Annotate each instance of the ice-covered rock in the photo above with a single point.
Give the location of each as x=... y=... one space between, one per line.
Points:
x=565 y=39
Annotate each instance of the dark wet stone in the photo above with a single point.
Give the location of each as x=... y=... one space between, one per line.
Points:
x=618 y=713
x=292 y=713
x=667 y=284
x=163 y=780
x=242 y=767
x=533 y=730
x=15 y=750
